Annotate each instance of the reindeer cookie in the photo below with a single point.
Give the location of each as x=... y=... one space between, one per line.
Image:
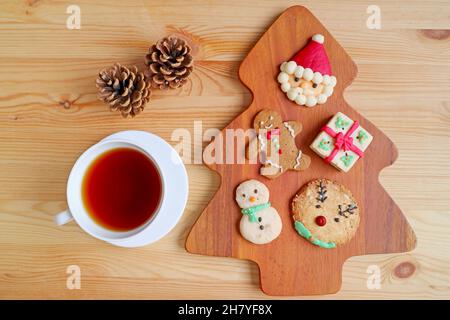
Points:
x=325 y=213
x=275 y=145
x=260 y=222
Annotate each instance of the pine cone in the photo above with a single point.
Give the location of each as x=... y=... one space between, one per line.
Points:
x=124 y=89
x=169 y=63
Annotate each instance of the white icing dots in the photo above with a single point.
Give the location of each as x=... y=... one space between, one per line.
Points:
x=300 y=100
x=317 y=91
x=321 y=99
x=328 y=91
x=290 y=67
x=285 y=87
x=298 y=73
x=333 y=80
x=293 y=93
x=319 y=38
x=283 y=77
x=308 y=74
x=317 y=78
x=311 y=101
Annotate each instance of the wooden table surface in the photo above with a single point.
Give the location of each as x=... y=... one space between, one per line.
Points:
x=49 y=114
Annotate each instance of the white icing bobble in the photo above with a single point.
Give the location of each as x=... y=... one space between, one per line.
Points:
x=333 y=80
x=300 y=100
x=285 y=87
x=282 y=66
x=326 y=80
x=328 y=90
x=289 y=68
x=283 y=77
x=293 y=93
x=317 y=78
x=318 y=38
x=322 y=98
x=308 y=74
x=311 y=101
x=298 y=73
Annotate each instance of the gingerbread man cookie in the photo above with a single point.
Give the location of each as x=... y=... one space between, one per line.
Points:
x=260 y=222
x=325 y=213
x=275 y=145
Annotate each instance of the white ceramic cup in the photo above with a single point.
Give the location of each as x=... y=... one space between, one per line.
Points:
x=157 y=225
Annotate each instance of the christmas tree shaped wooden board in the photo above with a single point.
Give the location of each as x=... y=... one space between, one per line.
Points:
x=291 y=265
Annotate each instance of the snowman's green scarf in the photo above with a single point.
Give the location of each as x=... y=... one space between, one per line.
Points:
x=251 y=211
x=305 y=233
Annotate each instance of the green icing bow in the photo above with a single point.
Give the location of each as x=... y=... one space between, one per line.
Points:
x=305 y=233
x=250 y=212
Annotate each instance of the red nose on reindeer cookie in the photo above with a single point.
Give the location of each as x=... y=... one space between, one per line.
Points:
x=307 y=78
x=275 y=145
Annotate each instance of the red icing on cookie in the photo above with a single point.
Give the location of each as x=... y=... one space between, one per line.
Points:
x=321 y=221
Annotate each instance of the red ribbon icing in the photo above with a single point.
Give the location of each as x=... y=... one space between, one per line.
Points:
x=269 y=133
x=342 y=141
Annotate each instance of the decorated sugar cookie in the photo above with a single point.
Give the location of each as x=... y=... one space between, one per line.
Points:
x=275 y=144
x=341 y=142
x=260 y=222
x=325 y=213
x=306 y=78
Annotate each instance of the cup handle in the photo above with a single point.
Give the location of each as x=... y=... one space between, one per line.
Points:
x=63 y=218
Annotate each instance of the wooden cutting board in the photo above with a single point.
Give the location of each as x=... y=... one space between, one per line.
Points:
x=290 y=265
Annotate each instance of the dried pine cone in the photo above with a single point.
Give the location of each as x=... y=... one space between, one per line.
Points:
x=169 y=63
x=124 y=89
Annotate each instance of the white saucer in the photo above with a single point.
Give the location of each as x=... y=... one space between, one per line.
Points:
x=176 y=187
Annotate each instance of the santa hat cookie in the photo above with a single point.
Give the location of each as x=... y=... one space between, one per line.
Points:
x=306 y=78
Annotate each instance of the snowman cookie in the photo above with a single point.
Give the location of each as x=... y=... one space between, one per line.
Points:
x=325 y=213
x=260 y=222
x=275 y=145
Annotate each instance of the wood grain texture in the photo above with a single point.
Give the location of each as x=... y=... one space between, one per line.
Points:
x=44 y=66
x=290 y=265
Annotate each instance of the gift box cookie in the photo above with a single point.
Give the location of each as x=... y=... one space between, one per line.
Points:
x=341 y=142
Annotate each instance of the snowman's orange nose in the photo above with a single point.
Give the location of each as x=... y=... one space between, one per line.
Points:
x=321 y=221
x=252 y=199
